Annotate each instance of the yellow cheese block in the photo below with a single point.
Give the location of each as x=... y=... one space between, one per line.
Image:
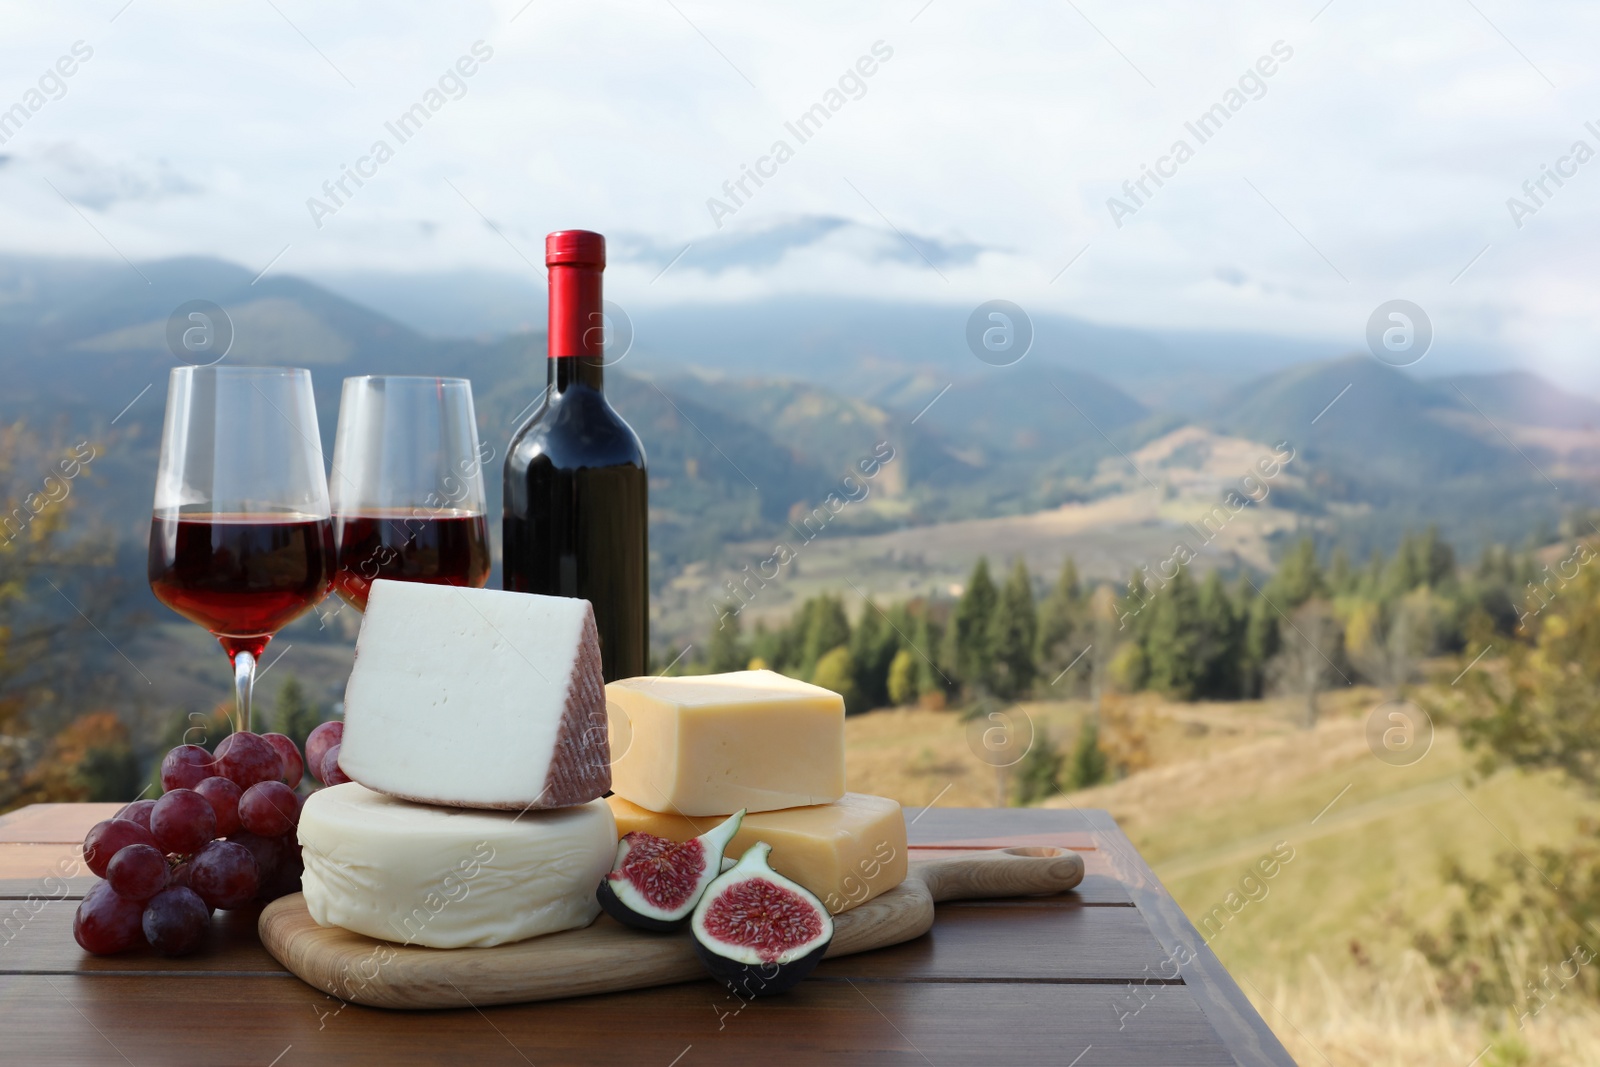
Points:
x=846 y=853
x=717 y=743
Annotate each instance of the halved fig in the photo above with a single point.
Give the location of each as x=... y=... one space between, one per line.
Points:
x=757 y=932
x=656 y=883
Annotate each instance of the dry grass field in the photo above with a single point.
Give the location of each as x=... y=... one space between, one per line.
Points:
x=1327 y=954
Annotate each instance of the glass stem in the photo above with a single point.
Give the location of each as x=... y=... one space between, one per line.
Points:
x=244 y=680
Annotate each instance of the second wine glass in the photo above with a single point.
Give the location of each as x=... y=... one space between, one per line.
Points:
x=407 y=485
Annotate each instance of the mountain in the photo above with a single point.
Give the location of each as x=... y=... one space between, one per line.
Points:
x=1526 y=399
x=1394 y=452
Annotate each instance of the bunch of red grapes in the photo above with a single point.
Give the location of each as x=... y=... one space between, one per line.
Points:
x=221 y=835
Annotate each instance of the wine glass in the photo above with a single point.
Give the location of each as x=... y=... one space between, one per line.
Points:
x=407 y=485
x=241 y=540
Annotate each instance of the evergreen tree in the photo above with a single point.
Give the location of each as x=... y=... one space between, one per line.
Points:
x=764 y=646
x=1060 y=616
x=725 y=651
x=967 y=637
x=1260 y=643
x=1298 y=578
x=1088 y=765
x=1013 y=632
x=1218 y=649
x=1038 y=773
x=926 y=639
x=1172 y=639
x=293 y=714
x=827 y=627
x=1341 y=578
x=873 y=647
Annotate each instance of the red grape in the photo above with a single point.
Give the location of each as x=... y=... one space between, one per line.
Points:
x=185 y=767
x=268 y=851
x=175 y=921
x=223 y=796
x=286 y=879
x=107 y=922
x=225 y=874
x=270 y=809
x=332 y=773
x=106 y=839
x=293 y=765
x=138 y=872
x=319 y=741
x=182 y=822
x=247 y=759
x=138 y=811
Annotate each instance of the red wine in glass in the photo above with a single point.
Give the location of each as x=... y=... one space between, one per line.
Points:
x=243 y=576
x=407 y=485
x=241 y=540
x=410 y=545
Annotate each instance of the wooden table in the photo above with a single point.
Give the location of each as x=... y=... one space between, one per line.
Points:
x=1111 y=973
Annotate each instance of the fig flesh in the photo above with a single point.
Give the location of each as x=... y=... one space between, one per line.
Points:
x=757 y=932
x=655 y=883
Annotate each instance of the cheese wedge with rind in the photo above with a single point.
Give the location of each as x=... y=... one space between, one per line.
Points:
x=716 y=743
x=449 y=877
x=846 y=852
x=477 y=698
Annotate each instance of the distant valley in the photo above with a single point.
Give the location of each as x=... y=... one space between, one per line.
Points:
x=1102 y=443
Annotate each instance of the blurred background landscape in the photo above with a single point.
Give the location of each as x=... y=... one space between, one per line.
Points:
x=1200 y=555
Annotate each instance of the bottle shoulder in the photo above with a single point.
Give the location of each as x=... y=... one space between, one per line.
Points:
x=578 y=428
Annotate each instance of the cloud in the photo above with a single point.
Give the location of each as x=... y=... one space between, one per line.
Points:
x=86 y=179
x=766 y=244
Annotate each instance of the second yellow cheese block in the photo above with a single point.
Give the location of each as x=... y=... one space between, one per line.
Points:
x=846 y=853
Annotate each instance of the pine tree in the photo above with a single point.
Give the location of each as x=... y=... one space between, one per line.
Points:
x=873 y=647
x=1260 y=644
x=1013 y=631
x=827 y=627
x=1298 y=578
x=967 y=638
x=293 y=713
x=925 y=640
x=1060 y=615
x=1038 y=774
x=1088 y=765
x=725 y=651
x=1172 y=640
x=1218 y=650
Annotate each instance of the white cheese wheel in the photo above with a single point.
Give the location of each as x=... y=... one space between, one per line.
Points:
x=451 y=877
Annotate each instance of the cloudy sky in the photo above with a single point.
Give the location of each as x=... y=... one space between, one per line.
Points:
x=1359 y=151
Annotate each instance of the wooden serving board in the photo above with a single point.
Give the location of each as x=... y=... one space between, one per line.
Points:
x=606 y=957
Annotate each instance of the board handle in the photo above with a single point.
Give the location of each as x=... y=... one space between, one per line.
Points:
x=1033 y=870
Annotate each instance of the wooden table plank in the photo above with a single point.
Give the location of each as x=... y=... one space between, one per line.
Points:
x=1224 y=1003
x=42 y=943
x=1029 y=942
x=53 y=823
x=41 y=871
x=225 y=1020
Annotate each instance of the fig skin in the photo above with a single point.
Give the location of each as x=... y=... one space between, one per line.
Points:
x=748 y=980
x=614 y=907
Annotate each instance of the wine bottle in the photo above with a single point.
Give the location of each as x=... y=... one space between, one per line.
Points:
x=575 y=486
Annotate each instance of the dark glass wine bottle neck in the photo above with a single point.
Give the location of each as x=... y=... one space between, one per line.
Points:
x=567 y=371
